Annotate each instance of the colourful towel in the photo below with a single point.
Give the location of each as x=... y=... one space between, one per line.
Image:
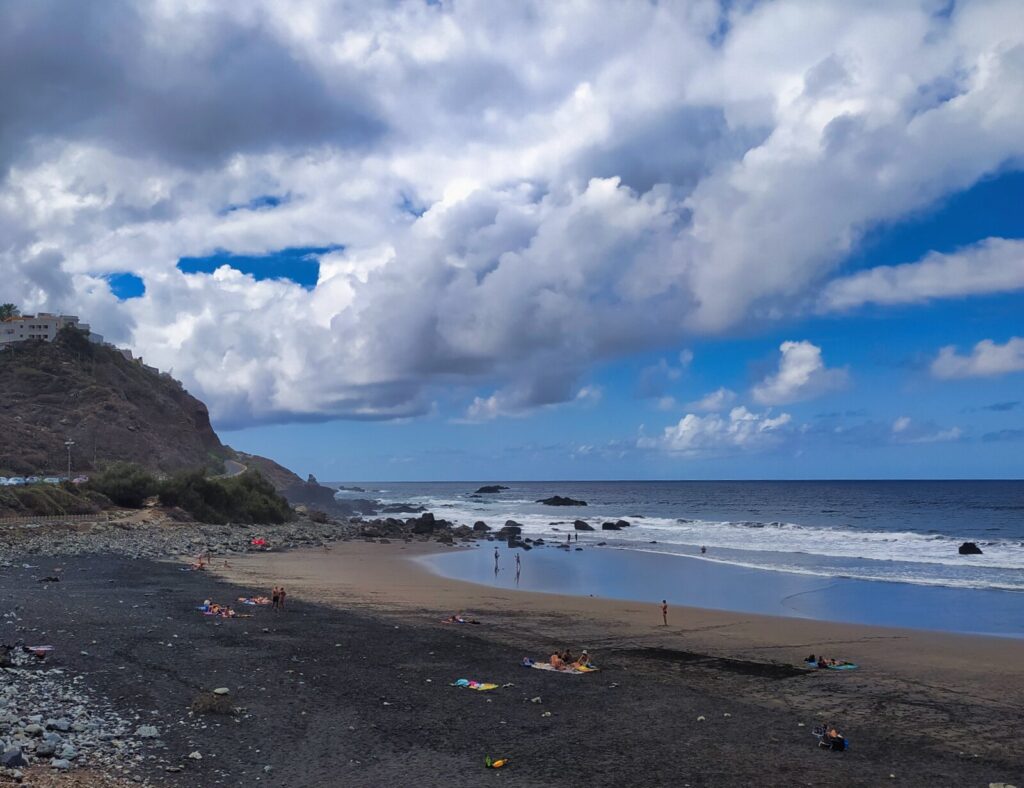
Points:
x=474 y=685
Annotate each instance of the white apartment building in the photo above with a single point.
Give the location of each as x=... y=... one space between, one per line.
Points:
x=42 y=326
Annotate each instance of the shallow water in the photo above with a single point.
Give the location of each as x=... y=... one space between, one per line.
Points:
x=650 y=577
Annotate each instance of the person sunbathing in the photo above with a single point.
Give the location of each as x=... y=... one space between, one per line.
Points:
x=556 y=661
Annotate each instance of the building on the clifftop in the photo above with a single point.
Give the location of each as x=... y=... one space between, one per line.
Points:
x=41 y=326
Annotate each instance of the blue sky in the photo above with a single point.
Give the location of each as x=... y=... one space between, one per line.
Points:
x=540 y=240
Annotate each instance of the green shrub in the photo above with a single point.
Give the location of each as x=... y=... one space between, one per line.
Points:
x=125 y=483
x=247 y=498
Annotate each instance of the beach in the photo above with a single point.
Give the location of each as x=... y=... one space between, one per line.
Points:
x=931 y=708
x=351 y=684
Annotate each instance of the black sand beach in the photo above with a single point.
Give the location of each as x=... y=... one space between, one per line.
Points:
x=335 y=697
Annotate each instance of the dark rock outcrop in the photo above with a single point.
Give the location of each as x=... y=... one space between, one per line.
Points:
x=480 y=526
x=582 y=525
x=969 y=548
x=491 y=488
x=610 y=527
x=622 y=523
x=558 y=500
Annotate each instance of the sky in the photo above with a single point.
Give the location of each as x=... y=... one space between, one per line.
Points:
x=582 y=240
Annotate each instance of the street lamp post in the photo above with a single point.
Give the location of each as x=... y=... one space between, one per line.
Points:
x=69 y=443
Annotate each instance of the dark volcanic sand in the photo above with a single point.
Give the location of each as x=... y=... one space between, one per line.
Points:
x=376 y=710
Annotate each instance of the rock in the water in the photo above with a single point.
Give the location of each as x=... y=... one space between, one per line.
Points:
x=491 y=488
x=424 y=524
x=481 y=526
x=558 y=500
x=511 y=528
x=970 y=548
x=611 y=527
x=582 y=525
x=622 y=523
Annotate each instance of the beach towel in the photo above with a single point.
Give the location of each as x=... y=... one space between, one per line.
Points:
x=574 y=670
x=254 y=600
x=474 y=685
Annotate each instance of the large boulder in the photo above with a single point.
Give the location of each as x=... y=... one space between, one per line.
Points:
x=611 y=527
x=582 y=525
x=558 y=500
x=424 y=524
x=481 y=526
x=969 y=548
x=491 y=488
x=622 y=523
x=510 y=531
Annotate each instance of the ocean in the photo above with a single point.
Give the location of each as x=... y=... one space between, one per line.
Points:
x=895 y=531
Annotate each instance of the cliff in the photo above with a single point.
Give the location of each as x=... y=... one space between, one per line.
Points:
x=113 y=408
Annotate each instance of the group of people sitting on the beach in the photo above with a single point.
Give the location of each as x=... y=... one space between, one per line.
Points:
x=458 y=618
x=566 y=660
x=822 y=662
x=209 y=608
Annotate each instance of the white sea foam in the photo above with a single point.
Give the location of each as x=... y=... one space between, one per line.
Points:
x=895 y=556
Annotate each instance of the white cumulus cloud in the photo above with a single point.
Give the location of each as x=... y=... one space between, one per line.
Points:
x=740 y=430
x=987 y=359
x=500 y=206
x=716 y=400
x=994 y=265
x=801 y=375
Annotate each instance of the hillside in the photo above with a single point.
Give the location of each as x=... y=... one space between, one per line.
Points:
x=113 y=408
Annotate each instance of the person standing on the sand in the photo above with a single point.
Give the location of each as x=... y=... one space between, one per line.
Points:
x=280 y=597
x=275 y=597
x=664 y=612
x=519 y=567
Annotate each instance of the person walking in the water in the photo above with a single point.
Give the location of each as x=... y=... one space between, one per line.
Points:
x=664 y=613
x=495 y=560
x=519 y=567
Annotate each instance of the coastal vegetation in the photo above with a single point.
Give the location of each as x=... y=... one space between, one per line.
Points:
x=246 y=498
x=45 y=500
